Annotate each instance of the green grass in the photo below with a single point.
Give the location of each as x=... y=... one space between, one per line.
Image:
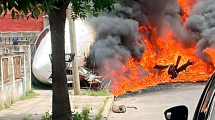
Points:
x=97 y=93
x=76 y=107
x=99 y=116
x=30 y=94
x=47 y=116
x=26 y=118
x=1 y=107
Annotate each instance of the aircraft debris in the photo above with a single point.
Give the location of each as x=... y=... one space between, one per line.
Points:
x=88 y=75
x=121 y=108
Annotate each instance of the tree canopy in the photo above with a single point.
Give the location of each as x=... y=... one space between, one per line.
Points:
x=33 y=8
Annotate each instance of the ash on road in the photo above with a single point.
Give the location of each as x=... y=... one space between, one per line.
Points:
x=152 y=102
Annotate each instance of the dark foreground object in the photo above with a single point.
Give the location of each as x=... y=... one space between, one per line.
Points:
x=176 y=113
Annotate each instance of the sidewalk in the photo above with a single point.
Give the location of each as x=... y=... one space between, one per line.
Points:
x=36 y=107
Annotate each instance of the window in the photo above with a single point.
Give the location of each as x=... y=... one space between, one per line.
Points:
x=207 y=101
x=17 y=66
x=212 y=114
x=5 y=69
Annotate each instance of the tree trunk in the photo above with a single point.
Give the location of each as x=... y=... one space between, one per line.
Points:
x=60 y=100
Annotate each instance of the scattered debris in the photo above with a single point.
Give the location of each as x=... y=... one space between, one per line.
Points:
x=115 y=98
x=88 y=75
x=121 y=109
x=131 y=107
x=174 y=70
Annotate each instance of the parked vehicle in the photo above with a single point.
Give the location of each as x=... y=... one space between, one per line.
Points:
x=205 y=109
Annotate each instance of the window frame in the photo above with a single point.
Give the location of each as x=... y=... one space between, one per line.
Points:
x=209 y=87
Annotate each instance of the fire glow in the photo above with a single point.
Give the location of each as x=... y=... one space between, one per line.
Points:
x=185 y=8
x=163 y=51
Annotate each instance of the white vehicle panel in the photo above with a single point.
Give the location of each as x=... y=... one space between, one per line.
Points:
x=41 y=66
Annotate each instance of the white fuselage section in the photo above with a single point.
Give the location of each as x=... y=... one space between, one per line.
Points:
x=41 y=66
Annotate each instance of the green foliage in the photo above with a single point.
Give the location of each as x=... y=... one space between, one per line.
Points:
x=97 y=93
x=82 y=7
x=99 y=116
x=1 y=107
x=76 y=107
x=33 y=8
x=83 y=116
x=26 y=118
x=30 y=94
x=47 y=116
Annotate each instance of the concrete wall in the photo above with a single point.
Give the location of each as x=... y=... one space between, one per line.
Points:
x=14 y=88
x=11 y=93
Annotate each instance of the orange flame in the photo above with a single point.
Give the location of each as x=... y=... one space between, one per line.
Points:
x=211 y=52
x=160 y=51
x=186 y=6
x=167 y=54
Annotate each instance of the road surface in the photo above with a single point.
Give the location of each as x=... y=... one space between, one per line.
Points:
x=152 y=103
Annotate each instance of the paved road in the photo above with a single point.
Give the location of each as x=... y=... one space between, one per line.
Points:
x=152 y=103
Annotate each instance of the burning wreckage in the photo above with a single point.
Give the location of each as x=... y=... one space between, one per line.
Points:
x=174 y=70
x=149 y=42
x=88 y=74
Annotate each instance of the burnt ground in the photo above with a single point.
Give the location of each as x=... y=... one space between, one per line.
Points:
x=166 y=86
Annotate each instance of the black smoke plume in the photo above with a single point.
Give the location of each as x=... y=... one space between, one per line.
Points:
x=119 y=38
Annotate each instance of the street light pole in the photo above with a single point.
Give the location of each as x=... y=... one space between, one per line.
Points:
x=76 y=80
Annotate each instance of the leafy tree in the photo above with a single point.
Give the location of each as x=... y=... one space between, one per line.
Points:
x=56 y=9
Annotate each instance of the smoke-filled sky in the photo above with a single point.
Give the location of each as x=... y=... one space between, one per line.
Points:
x=201 y=23
x=118 y=32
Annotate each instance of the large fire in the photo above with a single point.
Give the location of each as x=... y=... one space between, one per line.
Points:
x=169 y=50
x=162 y=52
x=186 y=6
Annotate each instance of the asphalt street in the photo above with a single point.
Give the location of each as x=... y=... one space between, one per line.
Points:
x=152 y=102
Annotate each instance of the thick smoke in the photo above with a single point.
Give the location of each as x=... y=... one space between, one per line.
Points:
x=119 y=38
x=118 y=32
x=202 y=24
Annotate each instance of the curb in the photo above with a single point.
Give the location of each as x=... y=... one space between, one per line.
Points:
x=107 y=108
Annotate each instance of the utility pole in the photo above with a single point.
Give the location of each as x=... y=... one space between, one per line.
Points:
x=76 y=80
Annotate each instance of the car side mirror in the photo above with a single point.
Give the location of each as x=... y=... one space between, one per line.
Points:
x=176 y=113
